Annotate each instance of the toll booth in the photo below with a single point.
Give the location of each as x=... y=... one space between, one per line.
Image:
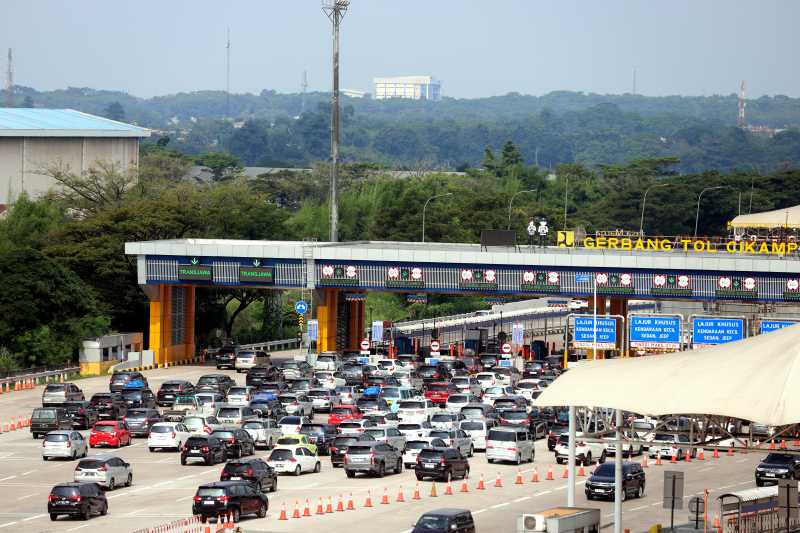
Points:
x=477 y=339
x=403 y=345
x=560 y=520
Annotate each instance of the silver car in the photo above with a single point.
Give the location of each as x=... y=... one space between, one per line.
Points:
x=323 y=399
x=447 y=420
x=455 y=438
x=265 y=432
x=64 y=444
x=388 y=434
x=57 y=393
x=330 y=361
x=241 y=395
x=235 y=417
x=292 y=370
x=108 y=471
x=478 y=430
x=348 y=394
x=297 y=404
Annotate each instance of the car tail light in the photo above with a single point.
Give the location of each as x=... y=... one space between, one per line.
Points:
x=490 y=447
x=269 y=459
x=205 y=448
x=207 y=429
x=222 y=499
x=43 y=444
x=442 y=461
x=295 y=403
x=109 y=403
x=104 y=469
x=551 y=435
x=197 y=498
x=580 y=444
x=186 y=448
x=371 y=457
x=173 y=435
x=293 y=460
x=51 y=498
x=436 y=375
x=77 y=469
x=76 y=498
x=69 y=445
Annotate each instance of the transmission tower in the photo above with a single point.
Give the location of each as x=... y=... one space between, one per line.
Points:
x=228 y=87
x=304 y=86
x=634 y=80
x=10 y=80
x=742 y=105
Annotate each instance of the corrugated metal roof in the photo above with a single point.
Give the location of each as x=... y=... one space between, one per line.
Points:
x=750 y=495
x=62 y=123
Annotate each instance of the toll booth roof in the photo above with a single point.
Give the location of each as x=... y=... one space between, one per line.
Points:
x=558 y=512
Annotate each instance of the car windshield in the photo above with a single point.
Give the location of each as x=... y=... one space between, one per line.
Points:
x=781 y=458
x=104 y=428
x=527 y=385
x=431 y=454
x=91 y=464
x=359 y=450
x=207 y=380
x=494 y=390
x=316 y=393
x=666 y=437
x=65 y=492
x=296 y=420
x=312 y=430
x=289 y=440
x=290 y=365
x=405 y=358
x=281 y=455
x=162 y=429
x=253 y=425
x=427 y=370
x=605 y=470
x=301 y=384
x=468 y=426
x=342 y=410
x=170 y=386
x=643 y=425
x=197 y=441
x=56 y=438
x=287 y=399
x=236 y=390
x=469 y=411
x=412 y=405
x=350 y=424
x=55 y=388
x=367 y=403
x=442 y=418
x=502 y=436
x=344 y=441
x=417 y=445
x=44 y=413
x=458 y=398
x=514 y=415
x=211 y=491
x=352 y=368
x=533 y=366
x=121 y=376
x=72 y=406
x=237 y=468
x=440 y=434
x=432 y=522
x=193 y=421
x=343 y=389
x=223 y=434
x=136 y=414
x=375 y=432
x=390 y=393
x=230 y=412
x=323 y=375
x=412 y=427
x=206 y=399
x=435 y=387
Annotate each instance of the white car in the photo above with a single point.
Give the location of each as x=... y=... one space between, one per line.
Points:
x=64 y=443
x=241 y=395
x=456 y=401
x=323 y=399
x=478 y=430
x=447 y=420
x=348 y=394
x=414 y=429
x=291 y=425
x=416 y=410
x=388 y=365
x=375 y=370
x=294 y=460
x=416 y=445
x=507 y=375
x=330 y=361
x=330 y=380
x=354 y=425
x=168 y=435
x=492 y=393
x=265 y=432
x=385 y=433
x=382 y=418
x=202 y=425
x=467 y=384
x=486 y=379
x=409 y=378
x=527 y=387
x=408 y=362
x=297 y=404
x=455 y=438
x=586 y=452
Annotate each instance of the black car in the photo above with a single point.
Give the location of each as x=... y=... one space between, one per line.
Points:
x=372 y=458
x=510 y=402
x=549 y=414
x=441 y=463
x=258 y=375
x=321 y=435
x=256 y=471
x=489 y=360
x=239 y=441
x=83 y=413
x=601 y=483
x=110 y=404
x=380 y=381
x=141 y=420
x=373 y=403
x=79 y=499
x=170 y=389
x=273 y=387
x=119 y=380
x=777 y=466
x=219 y=382
x=340 y=445
x=382 y=418
x=556 y=430
x=229 y=497
x=226 y=356
x=445 y=521
x=455 y=367
x=209 y=449
x=431 y=373
x=268 y=408
x=139 y=398
x=354 y=373
x=529 y=421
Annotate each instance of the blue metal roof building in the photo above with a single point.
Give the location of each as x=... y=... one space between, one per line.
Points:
x=16 y=122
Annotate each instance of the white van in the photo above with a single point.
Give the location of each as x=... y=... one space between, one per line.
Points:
x=478 y=430
x=510 y=444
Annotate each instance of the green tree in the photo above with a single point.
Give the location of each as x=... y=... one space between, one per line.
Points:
x=27 y=102
x=115 y=111
x=222 y=167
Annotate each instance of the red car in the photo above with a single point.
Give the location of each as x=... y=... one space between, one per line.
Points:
x=440 y=391
x=110 y=433
x=340 y=413
x=474 y=364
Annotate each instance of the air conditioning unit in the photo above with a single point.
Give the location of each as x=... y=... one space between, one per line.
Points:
x=531 y=522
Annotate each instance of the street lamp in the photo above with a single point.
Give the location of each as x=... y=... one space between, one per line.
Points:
x=423 y=212
x=566 y=190
x=697 y=218
x=750 y=209
x=641 y=222
x=512 y=200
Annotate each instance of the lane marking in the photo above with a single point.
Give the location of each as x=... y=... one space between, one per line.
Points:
x=741 y=461
x=727 y=486
x=31 y=472
x=79 y=527
x=309 y=485
x=12 y=477
x=709 y=468
x=645 y=507
x=114 y=496
x=31 y=518
x=186 y=498
x=164 y=483
x=187 y=477
x=201 y=473
x=474 y=512
x=525 y=498
x=499 y=505
x=162 y=460
x=28 y=496
x=134 y=512
x=545 y=492
x=137 y=490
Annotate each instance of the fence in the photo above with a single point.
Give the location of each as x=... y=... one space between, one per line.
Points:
x=193 y=524
x=29 y=372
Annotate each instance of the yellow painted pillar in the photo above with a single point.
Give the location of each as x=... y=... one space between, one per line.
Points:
x=161 y=326
x=157 y=323
x=189 y=346
x=356 y=324
x=326 y=315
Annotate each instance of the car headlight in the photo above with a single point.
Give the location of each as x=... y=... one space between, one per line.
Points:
x=782 y=470
x=761 y=469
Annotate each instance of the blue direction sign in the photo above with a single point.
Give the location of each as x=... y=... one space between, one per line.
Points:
x=604 y=338
x=712 y=331
x=772 y=325
x=655 y=332
x=582 y=278
x=301 y=307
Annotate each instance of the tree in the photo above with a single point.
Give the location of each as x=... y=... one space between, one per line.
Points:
x=163 y=141
x=115 y=111
x=27 y=102
x=222 y=167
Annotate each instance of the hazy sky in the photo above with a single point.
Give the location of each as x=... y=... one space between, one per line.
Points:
x=478 y=48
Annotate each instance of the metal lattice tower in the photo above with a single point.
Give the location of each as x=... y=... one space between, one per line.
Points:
x=228 y=86
x=304 y=87
x=742 y=105
x=634 y=80
x=10 y=80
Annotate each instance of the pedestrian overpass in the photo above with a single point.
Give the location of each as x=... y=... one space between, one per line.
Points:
x=615 y=269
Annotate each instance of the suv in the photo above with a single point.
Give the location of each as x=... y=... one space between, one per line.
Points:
x=445 y=463
x=354 y=373
x=110 y=404
x=530 y=421
x=248 y=360
x=219 y=382
x=235 y=416
x=83 y=413
x=584 y=451
x=81 y=499
x=669 y=445
x=372 y=458
x=258 y=375
x=240 y=442
x=58 y=393
x=321 y=435
x=416 y=410
x=329 y=361
x=777 y=466
x=510 y=444
x=108 y=471
x=431 y=373
x=473 y=364
x=456 y=367
x=139 y=397
x=119 y=379
x=51 y=419
x=409 y=362
x=459 y=520
x=292 y=370
x=340 y=413
x=266 y=406
x=209 y=449
x=256 y=471
x=229 y=497
x=601 y=482
x=226 y=356
x=341 y=444
x=169 y=390
x=64 y=444
x=140 y=421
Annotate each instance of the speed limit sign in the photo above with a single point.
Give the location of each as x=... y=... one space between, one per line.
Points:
x=641 y=352
x=365 y=344
x=435 y=346
x=506 y=348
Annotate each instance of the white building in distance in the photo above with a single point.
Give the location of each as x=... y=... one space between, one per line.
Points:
x=415 y=87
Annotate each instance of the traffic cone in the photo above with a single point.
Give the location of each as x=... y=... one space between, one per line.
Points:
x=535 y=475
x=62 y=378
x=658 y=459
x=497 y=482
x=716 y=520
x=400 y=494
x=433 y=490
x=566 y=471
x=329 y=508
x=30 y=383
x=597 y=464
x=296 y=513
x=700 y=455
x=369 y=500
x=208 y=526
x=630 y=456
x=231 y=523
x=688 y=455
x=758 y=444
x=385 y=500
x=219 y=523
x=480 y=484
x=464 y=486
x=716 y=452
x=744 y=450
x=5 y=426
x=19 y=422
x=772 y=445
x=549 y=474
x=644 y=463
x=673 y=460
x=416 y=493
x=519 y=477
x=730 y=450
x=449 y=489
x=340 y=507
x=797 y=442
x=224 y=521
x=350 y=506
x=783 y=445
x=307 y=510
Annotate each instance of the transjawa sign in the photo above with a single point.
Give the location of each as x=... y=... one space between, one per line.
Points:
x=689 y=245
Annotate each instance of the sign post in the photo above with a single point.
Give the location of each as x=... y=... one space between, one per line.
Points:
x=435 y=348
x=673 y=494
x=364 y=347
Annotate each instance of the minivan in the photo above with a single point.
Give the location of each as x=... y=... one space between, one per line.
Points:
x=510 y=444
x=58 y=393
x=478 y=430
x=107 y=471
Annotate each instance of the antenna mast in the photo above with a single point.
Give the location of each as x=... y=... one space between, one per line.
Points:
x=228 y=89
x=634 y=80
x=10 y=78
x=304 y=86
x=742 y=105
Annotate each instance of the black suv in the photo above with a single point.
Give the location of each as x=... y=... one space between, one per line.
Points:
x=340 y=445
x=273 y=387
x=83 y=413
x=219 y=382
x=556 y=430
x=354 y=373
x=537 y=369
x=259 y=375
x=110 y=404
x=268 y=408
x=372 y=458
x=441 y=463
x=601 y=483
x=321 y=435
x=229 y=497
x=431 y=373
x=256 y=471
x=141 y=420
x=226 y=356
x=239 y=441
x=777 y=466
x=81 y=499
x=120 y=379
x=455 y=367
x=141 y=398
x=209 y=449
x=170 y=389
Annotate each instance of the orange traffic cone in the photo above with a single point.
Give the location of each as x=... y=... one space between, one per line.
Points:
x=772 y=445
x=231 y=523
x=658 y=459
x=549 y=474
x=519 y=477
x=62 y=378
x=480 y=484
x=224 y=521
x=219 y=523
x=716 y=520
x=758 y=444
x=566 y=471
x=673 y=460
x=716 y=452
x=350 y=506
x=416 y=493
x=306 y=509
x=783 y=445
x=400 y=494
x=464 y=486
x=340 y=507
x=19 y=422
x=448 y=491
x=797 y=442
x=497 y=482
x=688 y=455
x=744 y=450
x=329 y=508
x=700 y=455
x=597 y=464
x=296 y=513
x=385 y=500
x=730 y=450
x=369 y=500
x=208 y=526
x=433 y=490
x=644 y=463
x=630 y=456
x=24 y=421
x=535 y=475
x=580 y=471
x=5 y=427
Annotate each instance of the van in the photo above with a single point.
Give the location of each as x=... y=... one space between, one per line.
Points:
x=235 y=416
x=510 y=444
x=478 y=430
x=58 y=393
x=51 y=419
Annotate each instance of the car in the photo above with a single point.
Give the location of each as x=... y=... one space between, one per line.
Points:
x=207 y=448
x=381 y=381
x=354 y=426
x=629 y=450
x=166 y=393
x=374 y=370
x=456 y=401
x=292 y=370
x=386 y=418
x=601 y=483
x=415 y=429
x=226 y=357
x=321 y=435
x=108 y=471
x=416 y=445
x=445 y=521
x=350 y=355
x=119 y=380
x=536 y=369
x=217 y=382
x=394 y=394
x=585 y=452
x=248 y=360
x=110 y=404
x=83 y=413
x=267 y=406
x=255 y=471
x=211 y=401
x=372 y=403
x=50 y=419
x=235 y=498
x=478 y=430
x=455 y=438
x=416 y=410
x=777 y=466
x=330 y=380
x=439 y=391
x=467 y=384
x=473 y=364
x=297 y=440
x=294 y=460
x=490 y=393
x=330 y=361
x=291 y=425
x=303 y=385
x=550 y=414
x=264 y=432
x=139 y=397
x=442 y=463
x=110 y=433
x=372 y=458
x=389 y=434
x=165 y=435
x=202 y=424
x=139 y=421
x=556 y=430
x=521 y=417
x=480 y=410
x=388 y=365
x=238 y=441
x=354 y=373
x=273 y=387
x=76 y=499
x=486 y=379
x=55 y=394
x=323 y=399
x=64 y=443
x=261 y=374
x=455 y=367
x=348 y=394
x=408 y=362
x=527 y=387
x=341 y=413
x=510 y=402
x=240 y=395
x=410 y=378
x=297 y=404
x=670 y=445
x=510 y=444
x=431 y=373
x=507 y=375
x=183 y=406
x=341 y=443
x=235 y=417
x=446 y=420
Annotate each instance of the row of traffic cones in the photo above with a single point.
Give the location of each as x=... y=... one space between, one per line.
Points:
x=24 y=384
x=22 y=422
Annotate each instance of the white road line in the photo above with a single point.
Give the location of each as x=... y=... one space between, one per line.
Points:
x=164 y=483
x=79 y=527
x=309 y=485
x=11 y=524
x=545 y=492
x=187 y=477
x=606 y=516
x=499 y=505
x=475 y=512
x=137 y=490
x=745 y=483
x=201 y=473
x=114 y=496
x=559 y=488
x=645 y=507
x=659 y=503
x=28 y=496
x=5 y=478
x=31 y=518
x=581 y=482
x=31 y=472
x=137 y=444
x=727 y=486
x=525 y=498
x=741 y=461
x=709 y=468
x=162 y=460
x=186 y=498
x=134 y=512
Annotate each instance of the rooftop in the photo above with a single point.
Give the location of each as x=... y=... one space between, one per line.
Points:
x=15 y=122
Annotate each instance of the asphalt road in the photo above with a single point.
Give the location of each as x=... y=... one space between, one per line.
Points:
x=162 y=489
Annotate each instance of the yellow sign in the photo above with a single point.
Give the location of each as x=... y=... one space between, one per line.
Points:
x=300 y=319
x=566 y=239
x=611 y=243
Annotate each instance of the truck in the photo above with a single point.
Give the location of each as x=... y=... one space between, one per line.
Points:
x=184 y=406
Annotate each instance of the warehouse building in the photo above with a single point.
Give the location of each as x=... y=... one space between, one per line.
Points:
x=31 y=139
x=416 y=87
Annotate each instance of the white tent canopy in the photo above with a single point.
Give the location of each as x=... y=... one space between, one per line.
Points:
x=779 y=216
x=756 y=379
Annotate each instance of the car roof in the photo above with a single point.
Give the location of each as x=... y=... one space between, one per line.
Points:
x=446 y=512
x=221 y=484
x=72 y=484
x=481 y=405
x=101 y=457
x=62 y=432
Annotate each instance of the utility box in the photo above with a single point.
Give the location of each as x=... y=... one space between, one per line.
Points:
x=560 y=520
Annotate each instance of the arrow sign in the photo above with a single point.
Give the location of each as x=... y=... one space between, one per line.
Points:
x=300 y=307
x=195 y=260
x=256 y=262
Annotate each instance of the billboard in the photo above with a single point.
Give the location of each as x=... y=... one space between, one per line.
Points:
x=708 y=331
x=655 y=332
x=605 y=336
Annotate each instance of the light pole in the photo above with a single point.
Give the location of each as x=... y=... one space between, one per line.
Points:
x=697 y=218
x=512 y=201
x=335 y=9
x=566 y=191
x=641 y=222
x=423 y=212
x=750 y=209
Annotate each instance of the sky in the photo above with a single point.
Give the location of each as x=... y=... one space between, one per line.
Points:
x=478 y=48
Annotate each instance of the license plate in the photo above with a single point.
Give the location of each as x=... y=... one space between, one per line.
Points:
x=430 y=466
x=208 y=503
x=358 y=460
x=236 y=479
x=194 y=451
x=88 y=474
x=170 y=396
x=103 y=442
x=279 y=465
x=770 y=475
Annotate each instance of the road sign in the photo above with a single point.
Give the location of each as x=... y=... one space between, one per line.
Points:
x=582 y=278
x=365 y=344
x=772 y=325
x=377 y=330
x=435 y=346
x=301 y=307
x=313 y=330
x=606 y=334
x=712 y=331
x=300 y=320
x=506 y=348
x=655 y=332
x=641 y=352
x=673 y=489
x=601 y=278
x=506 y=362
x=517 y=336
